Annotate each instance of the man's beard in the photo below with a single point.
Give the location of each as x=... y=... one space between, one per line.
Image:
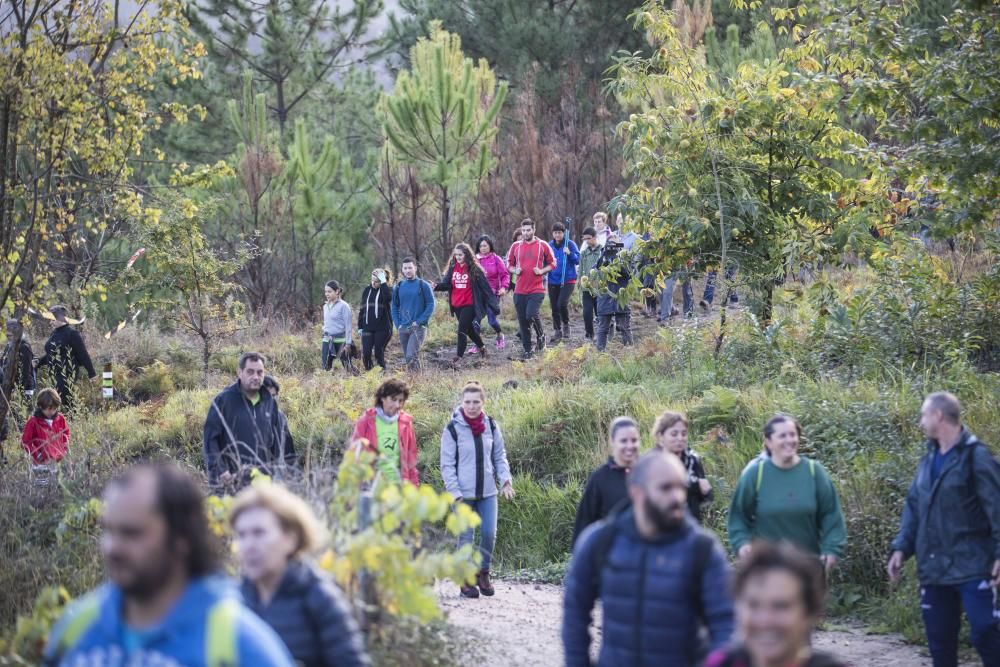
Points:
x=662 y=518
x=149 y=578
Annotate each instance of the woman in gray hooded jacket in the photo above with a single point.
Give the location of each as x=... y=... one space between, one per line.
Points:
x=473 y=465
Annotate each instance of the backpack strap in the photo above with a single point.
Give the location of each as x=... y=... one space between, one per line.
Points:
x=603 y=542
x=221 y=634
x=454 y=436
x=703 y=545
x=84 y=617
x=760 y=471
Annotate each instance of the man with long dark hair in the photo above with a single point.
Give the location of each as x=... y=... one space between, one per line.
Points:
x=164 y=603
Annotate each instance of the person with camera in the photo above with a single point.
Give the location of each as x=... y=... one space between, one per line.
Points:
x=615 y=271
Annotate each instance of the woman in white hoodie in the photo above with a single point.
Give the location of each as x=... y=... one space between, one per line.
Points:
x=337 y=327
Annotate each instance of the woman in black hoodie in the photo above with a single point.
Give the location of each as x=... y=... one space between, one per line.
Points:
x=274 y=531
x=375 y=318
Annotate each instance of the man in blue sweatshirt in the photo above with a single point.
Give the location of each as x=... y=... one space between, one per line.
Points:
x=164 y=603
x=412 y=308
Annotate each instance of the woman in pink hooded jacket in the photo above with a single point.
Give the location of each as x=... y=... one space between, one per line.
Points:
x=498 y=276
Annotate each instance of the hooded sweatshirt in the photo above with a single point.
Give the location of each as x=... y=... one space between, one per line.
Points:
x=337 y=320
x=45 y=440
x=496 y=271
x=374 y=313
x=178 y=640
x=471 y=466
x=528 y=256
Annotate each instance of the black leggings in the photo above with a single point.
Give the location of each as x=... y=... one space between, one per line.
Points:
x=374 y=342
x=559 y=296
x=467 y=329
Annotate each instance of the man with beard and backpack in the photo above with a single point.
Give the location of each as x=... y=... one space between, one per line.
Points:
x=658 y=575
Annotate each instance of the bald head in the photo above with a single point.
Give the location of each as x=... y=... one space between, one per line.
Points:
x=657 y=487
x=655 y=465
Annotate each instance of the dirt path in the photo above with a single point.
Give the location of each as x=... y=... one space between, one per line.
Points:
x=521 y=625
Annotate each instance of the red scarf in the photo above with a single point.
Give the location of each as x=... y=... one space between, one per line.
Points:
x=478 y=425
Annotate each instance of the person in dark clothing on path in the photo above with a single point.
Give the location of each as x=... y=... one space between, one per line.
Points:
x=608 y=308
x=23 y=368
x=779 y=600
x=658 y=574
x=375 y=319
x=562 y=281
x=412 y=309
x=670 y=433
x=65 y=353
x=470 y=297
x=951 y=523
x=275 y=531
x=245 y=429
x=590 y=257
x=605 y=488
x=530 y=259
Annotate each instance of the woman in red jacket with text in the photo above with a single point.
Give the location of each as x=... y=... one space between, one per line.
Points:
x=46 y=435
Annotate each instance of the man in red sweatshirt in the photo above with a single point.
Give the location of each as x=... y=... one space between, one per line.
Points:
x=530 y=259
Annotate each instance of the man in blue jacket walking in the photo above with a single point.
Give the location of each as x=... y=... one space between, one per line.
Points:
x=165 y=603
x=412 y=308
x=951 y=522
x=659 y=575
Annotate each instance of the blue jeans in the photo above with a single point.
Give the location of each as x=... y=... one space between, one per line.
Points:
x=709 y=295
x=942 y=611
x=486 y=508
x=493 y=317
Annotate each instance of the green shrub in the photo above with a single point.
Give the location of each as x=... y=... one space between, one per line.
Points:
x=536 y=527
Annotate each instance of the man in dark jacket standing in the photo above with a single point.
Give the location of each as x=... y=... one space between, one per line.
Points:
x=23 y=370
x=245 y=429
x=65 y=353
x=658 y=575
x=951 y=522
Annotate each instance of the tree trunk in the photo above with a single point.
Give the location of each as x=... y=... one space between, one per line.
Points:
x=414 y=214
x=445 y=221
x=767 y=310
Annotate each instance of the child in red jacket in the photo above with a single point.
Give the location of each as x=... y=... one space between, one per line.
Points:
x=46 y=435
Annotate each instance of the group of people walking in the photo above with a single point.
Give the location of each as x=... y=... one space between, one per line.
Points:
x=668 y=592
x=476 y=282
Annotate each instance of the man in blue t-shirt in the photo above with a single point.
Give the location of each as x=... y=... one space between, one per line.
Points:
x=412 y=308
x=164 y=603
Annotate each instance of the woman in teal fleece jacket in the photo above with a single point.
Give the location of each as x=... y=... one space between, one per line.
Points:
x=785 y=496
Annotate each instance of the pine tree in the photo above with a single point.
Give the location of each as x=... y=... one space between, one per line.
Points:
x=295 y=48
x=441 y=117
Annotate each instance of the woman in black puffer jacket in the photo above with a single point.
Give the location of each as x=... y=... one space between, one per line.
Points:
x=274 y=530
